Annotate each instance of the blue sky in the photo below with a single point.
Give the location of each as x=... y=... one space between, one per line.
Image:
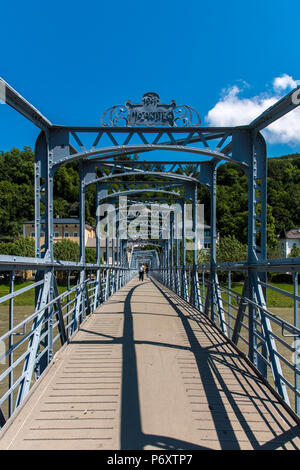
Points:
x=73 y=61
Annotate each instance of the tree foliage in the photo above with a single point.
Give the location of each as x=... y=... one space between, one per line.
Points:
x=17 y=196
x=16 y=190
x=22 y=246
x=295 y=252
x=230 y=249
x=66 y=250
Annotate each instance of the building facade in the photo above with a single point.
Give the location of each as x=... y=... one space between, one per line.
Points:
x=289 y=240
x=62 y=228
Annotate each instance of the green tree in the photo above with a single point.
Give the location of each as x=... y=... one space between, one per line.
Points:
x=229 y=249
x=6 y=248
x=16 y=190
x=66 y=250
x=295 y=252
x=90 y=255
x=22 y=246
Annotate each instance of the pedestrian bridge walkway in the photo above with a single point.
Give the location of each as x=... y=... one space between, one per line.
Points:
x=148 y=371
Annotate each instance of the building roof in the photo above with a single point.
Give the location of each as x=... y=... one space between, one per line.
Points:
x=292 y=234
x=91 y=243
x=58 y=220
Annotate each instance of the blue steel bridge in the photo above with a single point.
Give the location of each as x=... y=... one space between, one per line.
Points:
x=180 y=360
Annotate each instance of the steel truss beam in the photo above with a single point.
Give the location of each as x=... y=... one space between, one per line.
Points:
x=177 y=181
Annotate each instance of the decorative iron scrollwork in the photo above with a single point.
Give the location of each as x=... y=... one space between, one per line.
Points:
x=150 y=113
x=114 y=116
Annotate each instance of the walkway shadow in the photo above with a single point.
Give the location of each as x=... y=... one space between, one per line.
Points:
x=131 y=434
x=212 y=380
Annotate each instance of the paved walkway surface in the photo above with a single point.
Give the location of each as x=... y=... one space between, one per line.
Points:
x=147 y=371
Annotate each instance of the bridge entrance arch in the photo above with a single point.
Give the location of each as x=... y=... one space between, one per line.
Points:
x=111 y=164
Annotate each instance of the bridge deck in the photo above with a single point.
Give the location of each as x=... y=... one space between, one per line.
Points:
x=144 y=373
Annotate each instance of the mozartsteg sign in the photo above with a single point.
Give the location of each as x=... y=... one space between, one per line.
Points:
x=151 y=112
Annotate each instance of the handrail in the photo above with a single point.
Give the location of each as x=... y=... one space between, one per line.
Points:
x=69 y=307
x=270 y=341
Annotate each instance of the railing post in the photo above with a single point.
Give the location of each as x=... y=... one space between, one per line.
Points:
x=183 y=274
x=195 y=283
x=33 y=346
x=113 y=255
x=101 y=193
x=229 y=306
x=118 y=260
x=296 y=343
x=107 y=283
x=68 y=299
x=10 y=340
x=50 y=322
x=171 y=283
x=255 y=155
x=213 y=240
x=177 y=273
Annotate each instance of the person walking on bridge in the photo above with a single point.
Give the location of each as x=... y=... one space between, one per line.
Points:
x=141 y=273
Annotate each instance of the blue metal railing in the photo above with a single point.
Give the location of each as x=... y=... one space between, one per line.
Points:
x=270 y=341
x=28 y=346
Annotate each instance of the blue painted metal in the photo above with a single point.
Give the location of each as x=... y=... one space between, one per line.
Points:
x=241 y=317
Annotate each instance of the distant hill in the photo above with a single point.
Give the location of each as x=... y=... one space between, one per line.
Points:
x=290 y=155
x=17 y=195
x=232 y=198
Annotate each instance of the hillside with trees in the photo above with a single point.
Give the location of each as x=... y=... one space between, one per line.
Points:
x=17 y=196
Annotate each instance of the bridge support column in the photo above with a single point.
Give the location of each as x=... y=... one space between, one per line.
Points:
x=101 y=193
x=177 y=263
x=113 y=252
x=217 y=312
x=117 y=284
x=165 y=258
x=183 y=273
x=250 y=145
x=195 y=297
x=171 y=283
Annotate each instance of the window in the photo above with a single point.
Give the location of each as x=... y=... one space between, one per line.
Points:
x=32 y=234
x=66 y=234
x=56 y=234
x=75 y=234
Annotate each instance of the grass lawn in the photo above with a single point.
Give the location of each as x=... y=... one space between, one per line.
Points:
x=28 y=297
x=277 y=303
x=274 y=299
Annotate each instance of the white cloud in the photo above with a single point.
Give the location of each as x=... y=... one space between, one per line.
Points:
x=234 y=110
x=284 y=82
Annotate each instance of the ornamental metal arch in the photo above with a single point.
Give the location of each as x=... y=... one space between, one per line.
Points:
x=147 y=127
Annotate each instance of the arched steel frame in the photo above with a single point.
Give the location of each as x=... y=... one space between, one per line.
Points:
x=101 y=164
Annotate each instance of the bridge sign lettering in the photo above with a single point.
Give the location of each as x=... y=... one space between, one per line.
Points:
x=151 y=112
